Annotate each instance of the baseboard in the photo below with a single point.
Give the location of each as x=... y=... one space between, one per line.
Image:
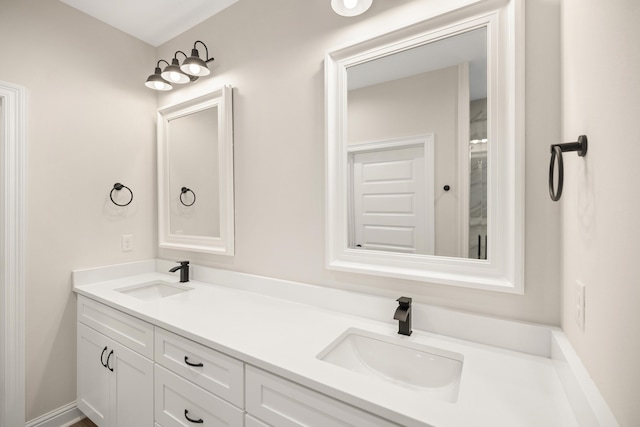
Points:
x=64 y=416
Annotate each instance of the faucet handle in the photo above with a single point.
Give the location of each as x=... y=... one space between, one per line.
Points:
x=183 y=263
x=405 y=302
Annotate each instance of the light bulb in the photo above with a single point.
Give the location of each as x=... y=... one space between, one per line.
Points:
x=350 y=4
x=174 y=76
x=194 y=69
x=158 y=85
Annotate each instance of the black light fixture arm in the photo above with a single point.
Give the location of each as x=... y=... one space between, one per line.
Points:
x=159 y=61
x=556 y=155
x=206 y=50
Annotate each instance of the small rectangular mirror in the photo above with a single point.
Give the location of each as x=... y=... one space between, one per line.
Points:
x=195 y=174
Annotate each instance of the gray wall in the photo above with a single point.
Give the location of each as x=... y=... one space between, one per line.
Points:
x=600 y=203
x=272 y=53
x=91 y=123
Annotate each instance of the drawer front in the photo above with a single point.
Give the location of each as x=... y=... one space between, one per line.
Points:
x=283 y=403
x=219 y=374
x=127 y=330
x=179 y=403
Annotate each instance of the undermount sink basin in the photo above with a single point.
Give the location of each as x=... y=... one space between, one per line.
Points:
x=153 y=291
x=407 y=364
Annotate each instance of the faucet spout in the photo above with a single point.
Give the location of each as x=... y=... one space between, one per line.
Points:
x=403 y=316
x=184 y=271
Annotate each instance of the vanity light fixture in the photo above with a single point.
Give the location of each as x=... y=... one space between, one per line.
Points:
x=195 y=66
x=350 y=7
x=175 y=73
x=155 y=80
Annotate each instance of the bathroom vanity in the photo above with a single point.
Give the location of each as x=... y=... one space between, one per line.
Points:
x=214 y=352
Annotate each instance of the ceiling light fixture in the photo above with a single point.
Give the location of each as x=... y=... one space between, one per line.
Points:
x=350 y=7
x=191 y=69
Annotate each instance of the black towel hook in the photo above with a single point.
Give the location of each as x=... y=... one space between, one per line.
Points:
x=185 y=190
x=117 y=187
x=556 y=153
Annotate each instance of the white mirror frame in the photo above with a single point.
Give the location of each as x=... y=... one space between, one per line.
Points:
x=503 y=270
x=224 y=244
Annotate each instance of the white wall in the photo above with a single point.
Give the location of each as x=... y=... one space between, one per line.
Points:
x=91 y=123
x=272 y=53
x=600 y=203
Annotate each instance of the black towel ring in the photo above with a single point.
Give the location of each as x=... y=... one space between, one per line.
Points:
x=556 y=153
x=117 y=187
x=187 y=190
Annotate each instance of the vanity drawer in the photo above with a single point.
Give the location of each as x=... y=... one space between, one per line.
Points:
x=283 y=403
x=177 y=400
x=127 y=330
x=219 y=373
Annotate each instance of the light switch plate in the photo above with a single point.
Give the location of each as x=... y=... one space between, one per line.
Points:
x=127 y=242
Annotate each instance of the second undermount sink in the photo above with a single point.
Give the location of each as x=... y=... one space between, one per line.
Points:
x=154 y=290
x=418 y=367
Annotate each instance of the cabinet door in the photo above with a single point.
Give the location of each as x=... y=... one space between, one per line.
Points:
x=93 y=378
x=131 y=388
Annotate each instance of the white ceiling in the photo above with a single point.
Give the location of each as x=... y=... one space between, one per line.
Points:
x=152 y=21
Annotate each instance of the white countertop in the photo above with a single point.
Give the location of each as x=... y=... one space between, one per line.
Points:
x=498 y=387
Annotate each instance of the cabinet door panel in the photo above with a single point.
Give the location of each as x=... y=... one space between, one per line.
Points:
x=131 y=388
x=174 y=395
x=93 y=378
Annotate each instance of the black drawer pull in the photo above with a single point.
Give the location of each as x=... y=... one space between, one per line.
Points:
x=108 y=358
x=191 y=420
x=198 y=365
x=102 y=357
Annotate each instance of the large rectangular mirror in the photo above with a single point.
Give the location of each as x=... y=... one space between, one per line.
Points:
x=195 y=174
x=424 y=151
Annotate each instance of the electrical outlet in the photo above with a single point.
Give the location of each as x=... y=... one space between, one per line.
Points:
x=127 y=242
x=580 y=304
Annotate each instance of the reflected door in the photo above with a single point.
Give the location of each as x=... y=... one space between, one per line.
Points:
x=389 y=201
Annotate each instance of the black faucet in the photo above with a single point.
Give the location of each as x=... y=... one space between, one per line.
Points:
x=403 y=316
x=184 y=271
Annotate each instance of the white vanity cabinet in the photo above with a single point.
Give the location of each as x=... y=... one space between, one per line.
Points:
x=134 y=374
x=115 y=383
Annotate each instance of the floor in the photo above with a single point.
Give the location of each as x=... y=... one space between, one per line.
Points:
x=84 y=423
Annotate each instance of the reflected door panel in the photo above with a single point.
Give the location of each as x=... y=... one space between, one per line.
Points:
x=389 y=201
